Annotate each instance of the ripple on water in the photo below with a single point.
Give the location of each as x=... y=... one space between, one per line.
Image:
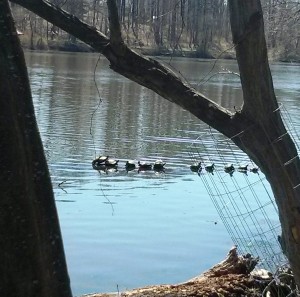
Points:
x=133 y=229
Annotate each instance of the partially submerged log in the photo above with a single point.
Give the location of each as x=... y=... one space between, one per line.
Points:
x=231 y=277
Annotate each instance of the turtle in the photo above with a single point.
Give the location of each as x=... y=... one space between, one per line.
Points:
x=196 y=167
x=130 y=165
x=254 y=169
x=159 y=165
x=98 y=162
x=111 y=163
x=210 y=167
x=243 y=167
x=144 y=166
x=229 y=168
x=102 y=159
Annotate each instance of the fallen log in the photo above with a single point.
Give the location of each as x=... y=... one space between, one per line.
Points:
x=231 y=277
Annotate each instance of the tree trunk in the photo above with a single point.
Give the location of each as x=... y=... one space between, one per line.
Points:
x=156 y=20
x=31 y=251
x=267 y=141
x=257 y=129
x=31 y=32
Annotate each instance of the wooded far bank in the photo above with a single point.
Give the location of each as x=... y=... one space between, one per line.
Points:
x=191 y=28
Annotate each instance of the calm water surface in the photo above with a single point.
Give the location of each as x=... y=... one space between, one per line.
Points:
x=123 y=230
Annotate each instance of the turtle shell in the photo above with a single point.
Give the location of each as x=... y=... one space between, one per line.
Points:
x=130 y=165
x=159 y=164
x=102 y=159
x=111 y=162
x=144 y=165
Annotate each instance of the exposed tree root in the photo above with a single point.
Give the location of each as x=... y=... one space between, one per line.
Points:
x=231 y=277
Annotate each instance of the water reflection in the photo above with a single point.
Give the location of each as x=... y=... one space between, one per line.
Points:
x=124 y=227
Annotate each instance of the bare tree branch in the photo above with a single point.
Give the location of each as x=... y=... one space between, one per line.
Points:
x=145 y=71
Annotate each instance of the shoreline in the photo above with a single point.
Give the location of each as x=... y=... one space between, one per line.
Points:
x=80 y=47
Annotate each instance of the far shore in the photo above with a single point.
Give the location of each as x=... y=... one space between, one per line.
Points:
x=216 y=53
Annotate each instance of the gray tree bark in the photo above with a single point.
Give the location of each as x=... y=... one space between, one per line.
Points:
x=257 y=129
x=267 y=141
x=31 y=251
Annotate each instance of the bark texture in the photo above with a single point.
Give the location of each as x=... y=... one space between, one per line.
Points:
x=267 y=141
x=228 y=278
x=31 y=250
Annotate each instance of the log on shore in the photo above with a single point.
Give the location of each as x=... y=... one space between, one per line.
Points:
x=231 y=277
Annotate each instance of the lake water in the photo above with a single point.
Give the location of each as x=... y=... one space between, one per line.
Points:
x=124 y=230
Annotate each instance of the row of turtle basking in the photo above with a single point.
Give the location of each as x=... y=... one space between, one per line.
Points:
x=105 y=162
x=228 y=168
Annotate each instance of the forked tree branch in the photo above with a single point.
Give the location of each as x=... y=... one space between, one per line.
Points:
x=145 y=71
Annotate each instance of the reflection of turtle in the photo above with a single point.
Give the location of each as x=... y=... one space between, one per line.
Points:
x=107 y=170
x=210 y=167
x=111 y=163
x=144 y=166
x=98 y=166
x=196 y=167
x=229 y=168
x=130 y=165
x=111 y=169
x=159 y=165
